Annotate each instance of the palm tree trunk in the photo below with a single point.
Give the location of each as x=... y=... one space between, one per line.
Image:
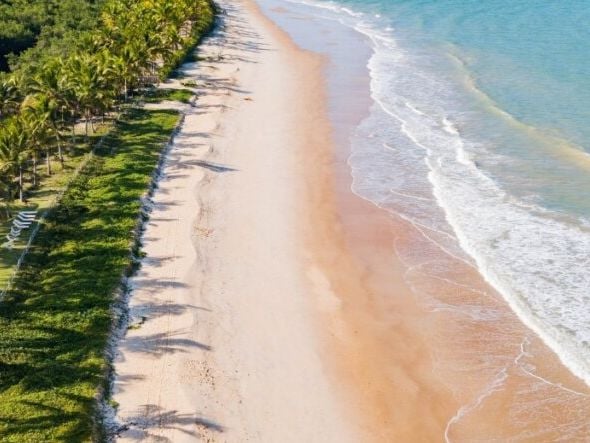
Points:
x=60 y=153
x=48 y=157
x=7 y=206
x=35 y=169
x=8 y=200
x=20 y=184
x=59 y=143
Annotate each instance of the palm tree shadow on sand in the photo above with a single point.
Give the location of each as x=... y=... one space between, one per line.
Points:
x=215 y=167
x=151 y=421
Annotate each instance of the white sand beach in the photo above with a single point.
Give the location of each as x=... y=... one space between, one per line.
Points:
x=224 y=344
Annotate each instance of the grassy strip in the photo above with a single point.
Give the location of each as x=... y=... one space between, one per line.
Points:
x=157 y=95
x=54 y=324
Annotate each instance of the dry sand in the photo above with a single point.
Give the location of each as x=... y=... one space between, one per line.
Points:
x=224 y=344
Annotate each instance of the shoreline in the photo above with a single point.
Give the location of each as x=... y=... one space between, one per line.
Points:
x=227 y=345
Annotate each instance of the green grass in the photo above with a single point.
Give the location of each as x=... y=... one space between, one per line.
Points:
x=55 y=322
x=158 y=95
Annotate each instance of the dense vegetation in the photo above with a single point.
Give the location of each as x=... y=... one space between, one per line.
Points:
x=55 y=85
x=23 y=23
x=55 y=321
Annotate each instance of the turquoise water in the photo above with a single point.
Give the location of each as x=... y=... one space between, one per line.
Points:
x=529 y=56
x=479 y=136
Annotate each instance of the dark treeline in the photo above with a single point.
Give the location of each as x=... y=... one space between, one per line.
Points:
x=87 y=59
x=24 y=23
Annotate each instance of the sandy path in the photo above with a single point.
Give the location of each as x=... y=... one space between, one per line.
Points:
x=224 y=347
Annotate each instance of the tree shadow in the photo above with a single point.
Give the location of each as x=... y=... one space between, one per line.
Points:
x=215 y=167
x=19 y=427
x=151 y=419
x=161 y=343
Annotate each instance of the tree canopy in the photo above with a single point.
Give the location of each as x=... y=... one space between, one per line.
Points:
x=86 y=58
x=27 y=23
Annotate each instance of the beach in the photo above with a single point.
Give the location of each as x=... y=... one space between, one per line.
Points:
x=225 y=346
x=275 y=304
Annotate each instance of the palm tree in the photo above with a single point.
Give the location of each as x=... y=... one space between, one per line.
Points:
x=13 y=155
x=50 y=94
x=85 y=84
x=9 y=96
x=40 y=136
x=7 y=164
x=40 y=117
